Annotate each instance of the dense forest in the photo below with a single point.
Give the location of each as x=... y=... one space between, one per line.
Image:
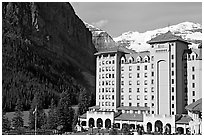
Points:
x=31 y=66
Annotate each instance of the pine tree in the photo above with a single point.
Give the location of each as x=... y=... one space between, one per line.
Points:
x=65 y=112
x=37 y=107
x=18 y=120
x=52 y=116
x=84 y=102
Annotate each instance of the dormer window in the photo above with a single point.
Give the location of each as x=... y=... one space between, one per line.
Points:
x=122 y=60
x=138 y=59
x=130 y=60
x=146 y=59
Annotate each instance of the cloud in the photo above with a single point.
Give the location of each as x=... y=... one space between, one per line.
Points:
x=100 y=23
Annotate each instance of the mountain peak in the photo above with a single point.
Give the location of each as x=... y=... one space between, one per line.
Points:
x=189 y=31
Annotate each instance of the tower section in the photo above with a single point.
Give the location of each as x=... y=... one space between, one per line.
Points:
x=168 y=65
x=108 y=67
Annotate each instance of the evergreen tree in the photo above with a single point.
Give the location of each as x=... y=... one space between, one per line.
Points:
x=84 y=102
x=6 y=124
x=52 y=116
x=18 y=120
x=37 y=108
x=65 y=112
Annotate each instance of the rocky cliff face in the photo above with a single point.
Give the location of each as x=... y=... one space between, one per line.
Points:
x=65 y=34
x=100 y=38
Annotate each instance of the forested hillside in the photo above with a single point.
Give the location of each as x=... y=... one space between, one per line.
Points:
x=46 y=49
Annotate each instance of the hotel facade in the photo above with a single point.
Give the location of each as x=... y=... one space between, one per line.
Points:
x=147 y=88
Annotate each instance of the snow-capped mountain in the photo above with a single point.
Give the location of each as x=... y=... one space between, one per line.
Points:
x=189 y=31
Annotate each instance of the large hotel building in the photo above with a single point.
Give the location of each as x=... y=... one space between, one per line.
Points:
x=148 y=88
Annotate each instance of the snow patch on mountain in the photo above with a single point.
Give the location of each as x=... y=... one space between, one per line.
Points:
x=189 y=31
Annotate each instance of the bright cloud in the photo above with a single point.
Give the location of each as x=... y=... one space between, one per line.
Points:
x=100 y=23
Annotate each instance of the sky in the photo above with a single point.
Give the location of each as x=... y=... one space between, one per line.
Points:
x=119 y=17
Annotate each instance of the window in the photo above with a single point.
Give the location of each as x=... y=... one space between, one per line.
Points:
x=130 y=97
x=130 y=90
x=122 y=82
x=112 y=103
x=172 y=65
x=152 y=66
x=138 y=75
x=122 y=90
x=172 y=81
x=102 y=103
x=152 y=81
x=138 y=90
x=130 y=104
x=122 y=75
x=113 y=69
x=138 y=97
x=193 y=93
x=112 y=96
x=145 y=75
x=145 y=82
x=172 y=106
x=193 y=68
x=138 y=104
x=145 y=90
x=130 y=82
x=122 y=68
x=152 y=105
x=130 y=75
x=122 y=97
x=130 y=68
x=122 y=104
x=193 y=100
x=138 y=67
x=193 y=85
x=113 y=82
x=172 y=112
x=102 y=96
x=99 y=90
x=193 y=77
x=152 y=97
x=138 y=82
x=102 y=62
x=102 y=89
x=113 y=62
x=112 y=89
x=172 y=56
x=172 y=89
x=145 y=105
x=152 y=73
x=145 y=67
x=145 y=97
x=122 y=61
x=99 y=63
x=172 y=73
x=152 y=112
x=172 y=98
x=112 y=75
x=99 y=69
x=193 y=57
x=152 y=89
x=99 y=97
x=152 y=58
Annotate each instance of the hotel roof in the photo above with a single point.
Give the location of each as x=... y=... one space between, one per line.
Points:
x=129 y=116
x=195 y=106
x=183 y=119
x=113 y=50
x=166 y=37
x=132 y=108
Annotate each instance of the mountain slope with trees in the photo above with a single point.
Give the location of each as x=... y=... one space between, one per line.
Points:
x=46 y=49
